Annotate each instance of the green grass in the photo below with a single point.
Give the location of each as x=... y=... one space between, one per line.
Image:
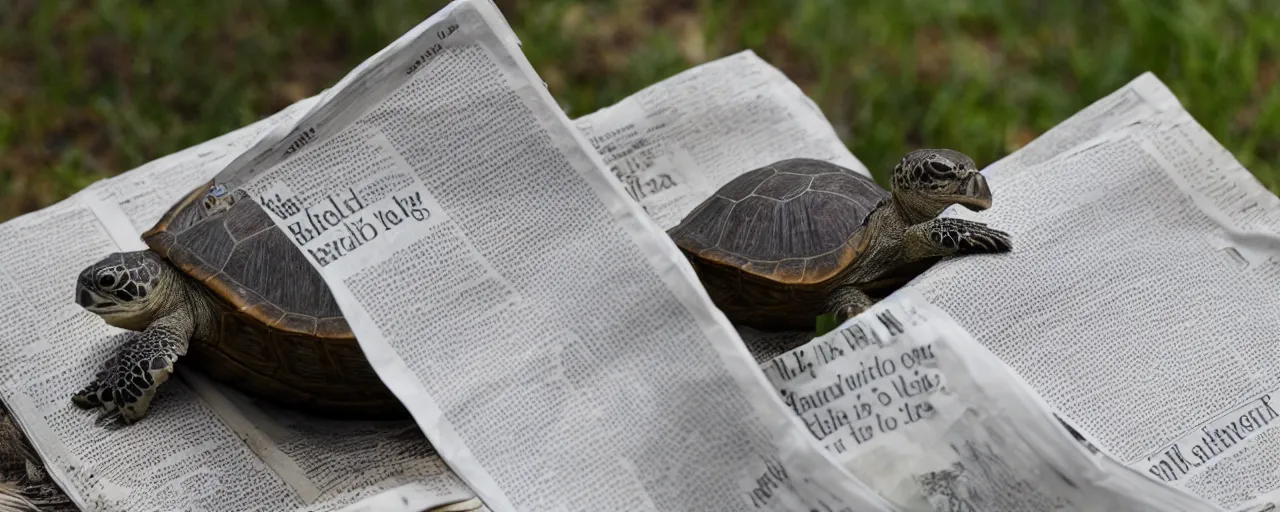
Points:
x=90 y=89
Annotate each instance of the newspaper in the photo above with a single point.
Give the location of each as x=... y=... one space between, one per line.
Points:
x=914 y=406
x=507 y=276
x=676 y=142
x=1140 y=297
x=201 y=446
x=486 y=240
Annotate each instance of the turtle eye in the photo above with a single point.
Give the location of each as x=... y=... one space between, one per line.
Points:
x=105 y=280
x=940 y=168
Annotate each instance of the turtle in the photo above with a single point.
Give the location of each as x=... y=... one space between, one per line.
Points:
x=222 y=289
x=783 y=244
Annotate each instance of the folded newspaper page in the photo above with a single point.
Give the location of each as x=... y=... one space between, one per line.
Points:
x=544 y=332
x=914 y=406
x=674 y=143
x=200 y=448
x=1140 y=297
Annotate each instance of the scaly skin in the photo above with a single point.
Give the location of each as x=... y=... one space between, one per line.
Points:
x=140 y=291
x=906 y=230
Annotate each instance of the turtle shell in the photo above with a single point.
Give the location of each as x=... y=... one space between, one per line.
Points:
x=280 y=335
x=796 y=222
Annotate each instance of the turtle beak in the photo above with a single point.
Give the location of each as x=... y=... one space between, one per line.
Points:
x=84 y=299
x=974 y=192
x=92 y=301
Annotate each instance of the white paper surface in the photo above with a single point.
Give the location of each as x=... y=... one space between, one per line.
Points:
x=674 y=143
x=909 y=402
x=1139 y=299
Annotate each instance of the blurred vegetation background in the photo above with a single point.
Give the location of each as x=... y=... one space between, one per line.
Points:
x=93 y=88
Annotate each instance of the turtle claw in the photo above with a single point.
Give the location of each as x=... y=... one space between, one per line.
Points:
x=109 y=420
x=93 y=395
x=950 y=236
x=116 y=423
x=980 y=239
x=133 y=411
x=86 y=398
x=847 y=312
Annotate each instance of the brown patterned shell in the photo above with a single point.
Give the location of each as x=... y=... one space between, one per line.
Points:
x=281 y=335
x=795 y=222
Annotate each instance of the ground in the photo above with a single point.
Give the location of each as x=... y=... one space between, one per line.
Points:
x=93 y=88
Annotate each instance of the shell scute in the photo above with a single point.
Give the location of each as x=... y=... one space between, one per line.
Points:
x=239 y=343
x=308 y=359
x=209 y=242
x=298 y=323
x=248 y=222
x=750 y=228
x=707 y=234
x=789 y=270
x=805 y=166
x=784 y=186
x=745 y=185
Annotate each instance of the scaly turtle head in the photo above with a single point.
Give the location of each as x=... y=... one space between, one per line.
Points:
x=927 y=181
x=121 y=288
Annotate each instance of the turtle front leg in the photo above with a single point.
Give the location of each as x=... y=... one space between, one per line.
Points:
x=129 y=379
x=847 y=302
x=951 y=237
